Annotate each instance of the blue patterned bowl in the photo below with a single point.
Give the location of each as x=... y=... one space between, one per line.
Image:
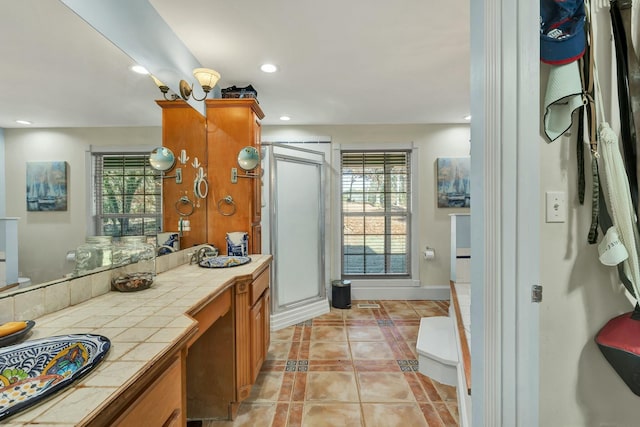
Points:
x=33 y=370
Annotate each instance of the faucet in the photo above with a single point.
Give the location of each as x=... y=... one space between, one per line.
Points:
x=203 y=252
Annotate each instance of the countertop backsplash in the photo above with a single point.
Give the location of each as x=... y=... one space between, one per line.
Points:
x=30 y=303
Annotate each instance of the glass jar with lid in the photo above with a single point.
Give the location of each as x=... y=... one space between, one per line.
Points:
x=135 y=264
x=95 y=254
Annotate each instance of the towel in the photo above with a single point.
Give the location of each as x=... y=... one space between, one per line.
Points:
x=562 y=98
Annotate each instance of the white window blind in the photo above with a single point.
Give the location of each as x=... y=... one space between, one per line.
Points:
x=376 y=216
x=127 y=195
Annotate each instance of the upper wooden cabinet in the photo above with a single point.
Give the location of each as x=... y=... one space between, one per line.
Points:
x=183 y=128
x=216 y=140
x=232 y=124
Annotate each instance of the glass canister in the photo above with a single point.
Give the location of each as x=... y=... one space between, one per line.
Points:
x=96 y=253
x=135 y=262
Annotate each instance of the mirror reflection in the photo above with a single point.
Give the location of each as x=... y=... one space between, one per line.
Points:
x=48 y=241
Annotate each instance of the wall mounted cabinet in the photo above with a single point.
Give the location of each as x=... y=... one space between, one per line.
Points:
x=216 y=140
x=233 y=124
x=183 y=128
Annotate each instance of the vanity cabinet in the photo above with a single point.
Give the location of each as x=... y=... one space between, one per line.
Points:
x=233 y=124
x=161 y=404
x=227 y=353
x=156 y=398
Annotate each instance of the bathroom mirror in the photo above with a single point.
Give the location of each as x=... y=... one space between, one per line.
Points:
x=248 y=158
x=162 y=159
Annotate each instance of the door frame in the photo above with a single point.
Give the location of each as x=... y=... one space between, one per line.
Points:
x=505 y=217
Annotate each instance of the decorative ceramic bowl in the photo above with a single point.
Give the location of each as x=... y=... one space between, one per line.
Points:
x=224 y=261
x=132 y=282
x=14 y=337
x=33 y=370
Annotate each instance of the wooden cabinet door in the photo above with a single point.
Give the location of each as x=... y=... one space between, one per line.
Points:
x=161 y=403
x=257 y=338
x=266 y=308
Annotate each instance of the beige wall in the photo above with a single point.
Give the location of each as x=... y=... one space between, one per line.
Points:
x=45 y=237
x=433 y=141
x=577 y=385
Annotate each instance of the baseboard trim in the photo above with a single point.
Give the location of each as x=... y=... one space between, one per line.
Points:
x=401 y=293
x=299 y=314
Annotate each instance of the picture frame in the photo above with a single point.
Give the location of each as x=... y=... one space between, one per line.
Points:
x=46 y=186
x=453 y=182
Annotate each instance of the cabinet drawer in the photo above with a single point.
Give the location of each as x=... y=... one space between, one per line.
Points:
x=160 y=404
x=259 y=285
x=210 y=313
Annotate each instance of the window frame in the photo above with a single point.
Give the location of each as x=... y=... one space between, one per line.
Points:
x=94 y=200
x=412 y=280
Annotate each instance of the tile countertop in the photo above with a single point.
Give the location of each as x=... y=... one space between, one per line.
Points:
x=142 y=326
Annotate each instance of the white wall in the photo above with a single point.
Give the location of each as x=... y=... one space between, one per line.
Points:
x=45 y=237
x=433 y=141
x=577 y=385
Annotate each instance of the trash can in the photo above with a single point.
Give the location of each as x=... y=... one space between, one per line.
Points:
x=341 y=293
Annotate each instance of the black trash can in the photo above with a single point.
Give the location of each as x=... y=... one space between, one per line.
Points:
x=341 y=293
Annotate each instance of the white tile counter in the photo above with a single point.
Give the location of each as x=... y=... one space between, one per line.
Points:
x=143 y=327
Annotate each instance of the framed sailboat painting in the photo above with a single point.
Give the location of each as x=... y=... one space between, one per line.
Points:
x=453 y=182
x=46 y=186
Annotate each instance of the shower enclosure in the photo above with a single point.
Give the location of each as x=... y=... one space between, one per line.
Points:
x=293 y=231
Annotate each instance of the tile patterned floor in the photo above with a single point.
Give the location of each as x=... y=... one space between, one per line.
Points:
x=355 y=367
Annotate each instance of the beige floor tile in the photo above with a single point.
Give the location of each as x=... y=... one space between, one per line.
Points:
x=370 y=350
x=329 y=350
x=395 y=305
x=393 y=415
x=365 y=333
x=279 y=350
x=408 y=313
x=331 y=386
x=334 y=314
x=355 y=313
x=328 y=333
x=410 y=333
x=285 y=334
x=385 y=387
x=249 y=415
x=430 y=312
x=267 y=387
x=333 y=415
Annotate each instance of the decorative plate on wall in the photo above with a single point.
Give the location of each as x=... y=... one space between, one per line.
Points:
x=34 y=370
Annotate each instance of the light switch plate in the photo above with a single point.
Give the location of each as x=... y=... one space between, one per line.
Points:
x=556 y=206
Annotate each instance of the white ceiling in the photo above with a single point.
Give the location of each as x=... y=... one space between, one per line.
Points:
x=340 y=62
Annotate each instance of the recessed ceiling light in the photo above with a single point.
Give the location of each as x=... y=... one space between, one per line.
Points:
x=467 y=117
x=24 y=122
x=285 y=118
x=268 y=68
x=139 y=69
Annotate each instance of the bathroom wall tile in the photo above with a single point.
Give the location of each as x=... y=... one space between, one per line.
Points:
x=56 y=297
x=80 y=289
x=100 y=283
x=29 y=305
x=3 y=270
x=6 y=310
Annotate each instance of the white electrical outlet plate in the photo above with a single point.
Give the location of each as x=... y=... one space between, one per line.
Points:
x=556 y=206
